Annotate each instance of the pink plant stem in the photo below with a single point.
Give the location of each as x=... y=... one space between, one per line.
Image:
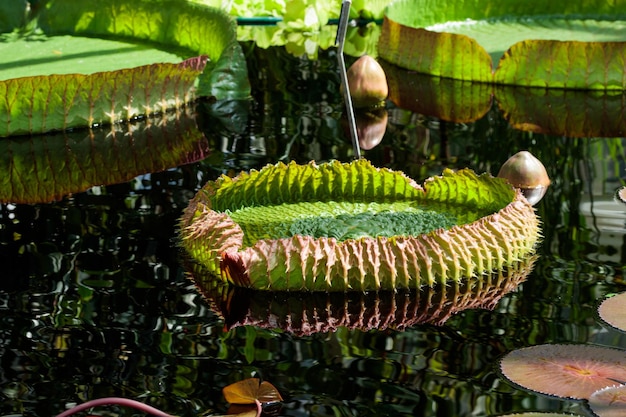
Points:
x=124 y=402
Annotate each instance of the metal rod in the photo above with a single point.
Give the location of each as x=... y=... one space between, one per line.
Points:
x=340 y=41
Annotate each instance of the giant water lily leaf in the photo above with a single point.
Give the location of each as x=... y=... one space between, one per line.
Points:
x=43 y=168
x=60 y=102
x=179 y=24
x=339 y=227
x=547 y=44
x=45 y=102
x=27 y=55
x=304 y=314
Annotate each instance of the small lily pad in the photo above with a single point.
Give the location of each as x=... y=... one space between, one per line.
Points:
x=609 y=401
x=565 y=370
x=612 y=311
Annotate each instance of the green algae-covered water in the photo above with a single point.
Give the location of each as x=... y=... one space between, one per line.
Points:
x=96 y=301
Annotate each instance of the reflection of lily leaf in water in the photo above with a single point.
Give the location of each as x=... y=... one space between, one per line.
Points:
x=308 y=313
x=187 y=28
x=556 y=44
x=240 y=229
x=573 y=113
x=445 y=98
x=43 y=168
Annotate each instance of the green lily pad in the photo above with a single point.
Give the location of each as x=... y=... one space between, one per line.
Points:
x=546 y=44
x=43 y=55
x=248 y=230
x=72 y=98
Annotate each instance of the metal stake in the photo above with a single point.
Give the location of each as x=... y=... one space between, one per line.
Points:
x=340 y=41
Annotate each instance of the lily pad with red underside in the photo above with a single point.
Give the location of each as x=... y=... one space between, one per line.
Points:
x=352 y=226
x=565 y=370
x=88 y=63
x=574 y=45
x=613 y=312
x=251 y=390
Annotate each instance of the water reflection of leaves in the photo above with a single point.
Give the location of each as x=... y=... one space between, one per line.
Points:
x=307 y=313
x=45 y=168
x=571 y=113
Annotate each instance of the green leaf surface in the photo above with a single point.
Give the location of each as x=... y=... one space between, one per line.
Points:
x=179 y=24
x=12 y=14
x=42 y=55
x=501 y=228
x=59 y=102
x=84 y=98
x=44 y=168
x=576 y=45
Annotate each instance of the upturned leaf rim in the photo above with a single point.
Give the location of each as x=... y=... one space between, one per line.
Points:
x=407 y=41
x=304 y=263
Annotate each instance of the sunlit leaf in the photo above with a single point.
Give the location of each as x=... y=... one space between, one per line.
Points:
x=341 y=227
x=448 y=55
x=250 y=390
x=37 y=55
x=541 y=44
x=59 y=102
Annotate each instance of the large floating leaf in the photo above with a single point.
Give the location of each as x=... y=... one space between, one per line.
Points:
x=546 y=44
x=59 y=102
x=180 y=24
x=43 y=168
x=252 y=231
x=27 y=55
x=47 y=102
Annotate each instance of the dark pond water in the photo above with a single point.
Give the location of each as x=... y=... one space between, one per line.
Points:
x=95 y=299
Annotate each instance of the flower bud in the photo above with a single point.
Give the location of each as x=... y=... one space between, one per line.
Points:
x=368 y=82
x=527 y=173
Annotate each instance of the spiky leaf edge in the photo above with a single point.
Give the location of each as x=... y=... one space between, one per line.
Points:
x=492 y=242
